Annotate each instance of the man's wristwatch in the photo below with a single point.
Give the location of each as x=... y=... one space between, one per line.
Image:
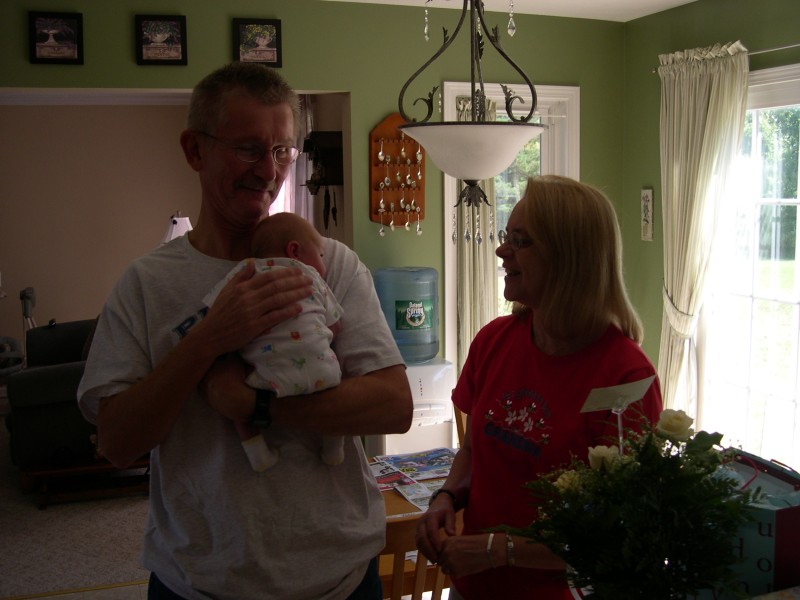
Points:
x=261 y=416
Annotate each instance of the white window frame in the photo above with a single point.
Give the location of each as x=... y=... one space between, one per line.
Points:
x=559 y=109
x=767 y=89
x=772 y=88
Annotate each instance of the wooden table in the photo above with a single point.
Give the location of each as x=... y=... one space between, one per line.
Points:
x=400 y=509
x=397 y=507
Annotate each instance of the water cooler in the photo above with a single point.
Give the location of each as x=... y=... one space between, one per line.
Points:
x=410 y=302
x=432 y=426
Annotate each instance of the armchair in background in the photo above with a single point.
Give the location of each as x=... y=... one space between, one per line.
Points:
x=51 y=443
x=46 y=428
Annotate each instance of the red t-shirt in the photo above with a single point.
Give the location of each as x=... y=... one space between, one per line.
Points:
x=526 y=420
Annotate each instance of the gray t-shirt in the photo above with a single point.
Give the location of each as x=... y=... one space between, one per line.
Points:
x=216 y=528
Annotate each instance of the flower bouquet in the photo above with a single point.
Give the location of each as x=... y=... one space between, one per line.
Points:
x=655 y=518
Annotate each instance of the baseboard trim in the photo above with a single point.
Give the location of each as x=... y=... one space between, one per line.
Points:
x=78 y=590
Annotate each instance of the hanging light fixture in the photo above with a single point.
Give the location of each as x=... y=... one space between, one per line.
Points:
x=477 y=149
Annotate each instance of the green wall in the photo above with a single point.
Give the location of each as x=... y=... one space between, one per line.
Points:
x=370 y=51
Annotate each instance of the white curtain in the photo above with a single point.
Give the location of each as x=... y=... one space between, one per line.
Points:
x=294 y=196
x=703 y=105
x=476 y=266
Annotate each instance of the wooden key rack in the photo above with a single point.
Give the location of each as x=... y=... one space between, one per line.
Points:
x=400 y=180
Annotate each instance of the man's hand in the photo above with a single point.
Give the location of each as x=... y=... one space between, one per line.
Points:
x=224 y=388
x=250 y=306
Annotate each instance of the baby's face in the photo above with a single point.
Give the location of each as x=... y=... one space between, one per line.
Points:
x=311 y=253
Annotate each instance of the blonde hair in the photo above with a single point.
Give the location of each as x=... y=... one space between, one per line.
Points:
x=274 y=233
x=575 y=227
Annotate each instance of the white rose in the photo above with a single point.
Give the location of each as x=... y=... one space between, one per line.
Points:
x=675 y=425
x=603 y=456
x=568 y=480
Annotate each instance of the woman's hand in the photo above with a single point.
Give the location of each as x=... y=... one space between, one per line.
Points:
x=441 y=515
x=466 y=554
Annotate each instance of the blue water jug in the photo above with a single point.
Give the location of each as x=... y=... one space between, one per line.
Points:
x=409 y=298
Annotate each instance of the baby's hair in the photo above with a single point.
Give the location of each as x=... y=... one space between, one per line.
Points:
x=274 y=233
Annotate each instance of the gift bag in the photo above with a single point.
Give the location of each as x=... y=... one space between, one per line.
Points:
x=768 y=544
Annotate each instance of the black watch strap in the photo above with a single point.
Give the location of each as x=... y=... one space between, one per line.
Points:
x=261 y=415
x=442 y=491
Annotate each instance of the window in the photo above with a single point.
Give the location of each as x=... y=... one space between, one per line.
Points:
x=509 y=186
x=284 y=201
x=749 y=340
x=556 y=151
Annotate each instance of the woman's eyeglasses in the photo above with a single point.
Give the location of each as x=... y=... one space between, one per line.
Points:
x=515 y=240
x=253 y=153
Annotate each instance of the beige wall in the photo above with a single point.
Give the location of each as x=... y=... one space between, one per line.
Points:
x=83 y=190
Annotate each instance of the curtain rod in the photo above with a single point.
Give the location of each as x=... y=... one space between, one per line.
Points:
x=775 y=49
x=765 y=51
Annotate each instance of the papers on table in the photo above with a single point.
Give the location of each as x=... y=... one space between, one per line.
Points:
x=389 y=476
x=415 y=475
x=428 y=464
x=419 y=494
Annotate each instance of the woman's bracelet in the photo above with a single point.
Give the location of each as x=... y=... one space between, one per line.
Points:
x=509 y=550
x=489 y=549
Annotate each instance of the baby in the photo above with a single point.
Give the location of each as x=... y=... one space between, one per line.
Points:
x=295 y=356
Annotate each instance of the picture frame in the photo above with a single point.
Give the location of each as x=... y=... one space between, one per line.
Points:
x=55 y=38
x=647 y=214
x=160 y=40
x=257 y=40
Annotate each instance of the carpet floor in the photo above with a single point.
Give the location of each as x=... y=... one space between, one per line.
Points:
x=65 y=546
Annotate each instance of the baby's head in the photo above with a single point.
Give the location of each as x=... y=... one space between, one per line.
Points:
x=286 y=234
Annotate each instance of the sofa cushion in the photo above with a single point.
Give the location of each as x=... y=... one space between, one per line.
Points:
x=42 y=386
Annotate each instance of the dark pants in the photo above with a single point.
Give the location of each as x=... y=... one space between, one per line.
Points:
x=370 y=587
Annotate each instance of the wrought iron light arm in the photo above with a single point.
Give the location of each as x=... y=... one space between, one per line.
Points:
x=475 y=8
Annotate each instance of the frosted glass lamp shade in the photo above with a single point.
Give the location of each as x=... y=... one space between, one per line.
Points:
x=177 y=226
x=472 y=151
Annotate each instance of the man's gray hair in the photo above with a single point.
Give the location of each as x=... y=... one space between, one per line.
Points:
x=207 y=105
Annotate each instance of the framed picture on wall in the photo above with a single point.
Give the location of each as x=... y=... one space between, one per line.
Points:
x=257 y=40
x=55 y=38
x=160 y=39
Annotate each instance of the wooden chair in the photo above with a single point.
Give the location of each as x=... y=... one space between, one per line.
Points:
x=461 y=424
x=401 y=577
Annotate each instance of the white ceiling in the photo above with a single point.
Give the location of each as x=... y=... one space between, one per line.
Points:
x=604 y=10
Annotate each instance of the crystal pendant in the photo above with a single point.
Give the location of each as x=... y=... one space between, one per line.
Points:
x=425 y=31
x=512 y=27
x=467 y=236
x=478 y=237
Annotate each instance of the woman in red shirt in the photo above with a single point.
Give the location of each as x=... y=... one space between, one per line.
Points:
x=524 y=383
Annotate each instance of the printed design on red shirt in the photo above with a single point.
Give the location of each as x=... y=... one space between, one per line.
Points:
x=518 y=418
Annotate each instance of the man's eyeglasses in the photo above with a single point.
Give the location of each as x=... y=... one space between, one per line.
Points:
x=253 y=153
x=515 y=240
